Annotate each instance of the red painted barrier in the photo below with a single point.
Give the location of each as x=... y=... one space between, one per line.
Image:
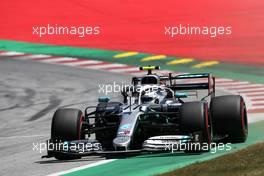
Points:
x=139 y=25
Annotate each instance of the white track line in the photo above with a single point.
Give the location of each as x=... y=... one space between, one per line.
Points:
x=125 y=69
x=36 y=56
x=258 y=97
x=235 y=84
x=250 y=90
x=245 y=86
x=163 y=72
x=82 y=167
x=52 y=60
x=223 y=79
x=102 y=66
x=82 y=62
x=116 y=66
x=256 y=108
x=253 y=94
x=11 y=53
x=258 y=102
x=134 y=73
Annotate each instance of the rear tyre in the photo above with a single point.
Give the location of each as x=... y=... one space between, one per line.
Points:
x=229 y=117
x=66 y=126
x=195 y=118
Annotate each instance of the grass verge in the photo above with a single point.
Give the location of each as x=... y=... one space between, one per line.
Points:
x=245 y=162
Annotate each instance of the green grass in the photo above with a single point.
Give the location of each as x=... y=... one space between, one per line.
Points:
x=245 y=162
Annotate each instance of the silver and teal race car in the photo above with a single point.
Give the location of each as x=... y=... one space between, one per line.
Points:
x=157 y=114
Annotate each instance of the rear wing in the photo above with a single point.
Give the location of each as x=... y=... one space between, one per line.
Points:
x=192 y=82
x=197 y=81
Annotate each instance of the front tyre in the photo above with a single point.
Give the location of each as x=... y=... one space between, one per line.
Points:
x=195 y=118
x=66 y=126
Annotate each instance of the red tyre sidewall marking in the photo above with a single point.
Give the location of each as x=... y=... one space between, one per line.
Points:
x=206 y=123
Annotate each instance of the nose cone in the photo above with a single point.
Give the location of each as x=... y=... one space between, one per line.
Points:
x=121 y=142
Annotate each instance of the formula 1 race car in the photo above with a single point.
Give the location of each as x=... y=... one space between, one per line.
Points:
x=156 y=111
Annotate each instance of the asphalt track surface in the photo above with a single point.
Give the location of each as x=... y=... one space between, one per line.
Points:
x=30 y=92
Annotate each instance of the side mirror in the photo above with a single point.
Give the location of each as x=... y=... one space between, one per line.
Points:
x=181 y=95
